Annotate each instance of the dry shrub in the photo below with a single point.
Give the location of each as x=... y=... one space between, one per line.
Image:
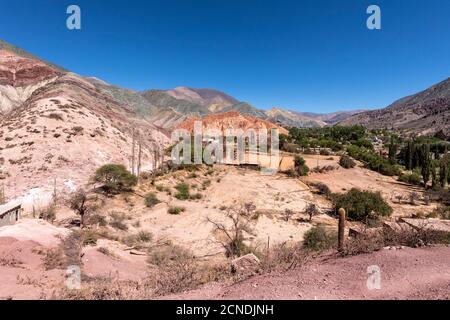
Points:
x=56 y=116
x=284 y=256
x=10 y=262
x=324 y=169
x=97 y=219
x=139 y=240
x=151 y=200
x=179 y=270
x=48 y=213
x=168 y=254
x=53 y=259
x=442 y=212
x=320 y=188
x=71 y=246
x=319 y=239
x=368 y=241
x=239 y=218
x=105 y=288
x=67 y=253
x=364 y=243
x=118 y=221
x=415 y=237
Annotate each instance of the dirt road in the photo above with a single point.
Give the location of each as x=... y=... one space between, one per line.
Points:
x=405 y=274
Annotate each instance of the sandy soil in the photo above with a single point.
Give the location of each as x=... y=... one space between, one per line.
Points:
x=229 y=186
x=405 y=274
x=419 y=273
x=22 y=248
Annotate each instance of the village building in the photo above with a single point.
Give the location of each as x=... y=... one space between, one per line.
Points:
x=9 y=213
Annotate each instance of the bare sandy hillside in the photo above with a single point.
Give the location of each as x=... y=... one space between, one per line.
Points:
x=56 y=132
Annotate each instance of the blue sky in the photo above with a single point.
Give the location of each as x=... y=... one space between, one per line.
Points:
x=314 y=55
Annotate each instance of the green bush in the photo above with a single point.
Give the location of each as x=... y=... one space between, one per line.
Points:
x=115 y=178
x=319 y=239
x=321 y=188
x=411 y=178
x=374 y=161
x=151 y=200
x=183 y=191
x=196 y=196
x=362 y=205
x=300 y=166
x=175 y=210
x=347 y=162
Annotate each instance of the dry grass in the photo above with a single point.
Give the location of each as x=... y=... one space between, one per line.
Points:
x=368 y=241
x=53 y=259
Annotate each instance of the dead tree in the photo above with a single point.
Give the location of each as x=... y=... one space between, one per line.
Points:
x=82 y=203
x=238 y=218
x=312 y=210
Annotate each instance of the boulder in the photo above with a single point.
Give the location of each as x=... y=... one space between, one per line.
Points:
x=246 y=265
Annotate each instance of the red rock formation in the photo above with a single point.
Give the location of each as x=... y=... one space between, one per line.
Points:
x=18 y=71
x=230 y=120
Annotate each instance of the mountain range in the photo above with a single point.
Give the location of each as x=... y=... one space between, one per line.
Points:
x=55 y=124
x=168 y=108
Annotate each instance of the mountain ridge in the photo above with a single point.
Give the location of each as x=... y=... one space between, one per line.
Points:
x=424 y=113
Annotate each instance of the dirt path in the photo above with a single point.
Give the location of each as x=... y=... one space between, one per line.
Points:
x=405 y=274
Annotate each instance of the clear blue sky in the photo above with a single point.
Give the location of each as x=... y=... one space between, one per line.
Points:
x=311 y=55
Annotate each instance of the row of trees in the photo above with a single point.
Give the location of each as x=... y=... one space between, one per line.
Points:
x=335 y=138
x=431 y=160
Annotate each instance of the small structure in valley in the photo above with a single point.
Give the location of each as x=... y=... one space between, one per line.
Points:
x=9 y=213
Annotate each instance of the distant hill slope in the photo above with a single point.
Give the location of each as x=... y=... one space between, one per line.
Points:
x=330 y=118
x=293 y=119
x=22 y=53
x=427 y=112
x=57 y=125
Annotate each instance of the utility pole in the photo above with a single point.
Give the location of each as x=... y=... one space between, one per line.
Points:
x=139 y=158
x=132 y=151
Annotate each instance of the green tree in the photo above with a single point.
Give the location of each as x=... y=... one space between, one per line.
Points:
x=426 y=163
x=434 y=176
x=444 y=164
x=362 y=205
x=300 y=166
x=393 y=148
x=115 y=178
